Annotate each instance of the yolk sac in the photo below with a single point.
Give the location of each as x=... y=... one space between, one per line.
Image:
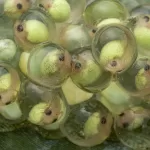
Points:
x=114 y=47
x=49 y=113
x=89 y=124
x=84 y=68
x=132 y=128
x=101 y=9
x=15 y=8
x=59 y=9
x=136 y=80
x=9 y=89
x=32 y=28
x=74 y=37
x=45 y=66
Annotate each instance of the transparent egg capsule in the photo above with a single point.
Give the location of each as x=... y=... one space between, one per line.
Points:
x=136 y=79
x=133 y=129
x=34 y=27
x=14 y=8
x=141 y=30
x=10 y=110
x=100 y=9
x=73 y=37
x=49 y=65
x=89 y=124
x=140 y=10
x=60 y=10
x=87 y=74
x=114 y=47
x=49 y=109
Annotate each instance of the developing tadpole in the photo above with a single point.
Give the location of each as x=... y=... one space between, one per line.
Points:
x=15 y=8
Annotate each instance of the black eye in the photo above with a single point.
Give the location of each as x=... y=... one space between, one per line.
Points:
x=20 y=28
x=146 y=18
x=40 y=5
x=122 y=114
x=48 y=112
x=77 y=65
x=7 y=103
x=19 y=6
x=125 y=125
x=94 y=30
x=147 y=67
x=103 y=120
x=114 y=63
x=61 y=57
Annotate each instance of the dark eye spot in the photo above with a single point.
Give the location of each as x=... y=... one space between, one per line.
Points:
x=94 y=30
x=48 y=112
x=20 y=28
x=62 y=58
x=0 y=97
x=147 y=67
x=113 y=63
x=122 y=114
x=78 y=65
x=125 y=125
x=146 y=18
x=103 y=120
x=19 y=6
x=7 y=103
x=54 y=120
x=40 y=5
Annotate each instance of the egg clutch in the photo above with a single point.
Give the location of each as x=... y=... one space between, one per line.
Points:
x=76 y=69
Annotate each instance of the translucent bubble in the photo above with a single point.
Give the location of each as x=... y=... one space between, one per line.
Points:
x=89 y=124
x=100 y=9
x=114 y=47
x=49 y=65
x=87 y=74
x=34 y=27
x=74 y=37
x=136 y=79
x=42 y=107
x=132 y=128
x=9 y=95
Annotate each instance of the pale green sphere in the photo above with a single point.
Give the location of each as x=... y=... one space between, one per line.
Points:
x=60 y=10
x=37 y=32
x=7 y=49
x=111 y=51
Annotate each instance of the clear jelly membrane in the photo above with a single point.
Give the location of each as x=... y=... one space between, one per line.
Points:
x=114 y=47
x=49 y=65
x=89 y=123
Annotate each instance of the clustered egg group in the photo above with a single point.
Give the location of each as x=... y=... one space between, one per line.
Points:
x=76 y=69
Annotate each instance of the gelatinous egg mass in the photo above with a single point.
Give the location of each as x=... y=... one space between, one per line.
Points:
x=89 y=124
x=114 y=47
x=132 y=128
x=15 y=8
x=136 y=80
x=98 y=10
x=34 y=27
x=59 y=9
x=7 y=49
x=49 y=65
x=74 y=37
x=49 y=113
x=87 y=74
